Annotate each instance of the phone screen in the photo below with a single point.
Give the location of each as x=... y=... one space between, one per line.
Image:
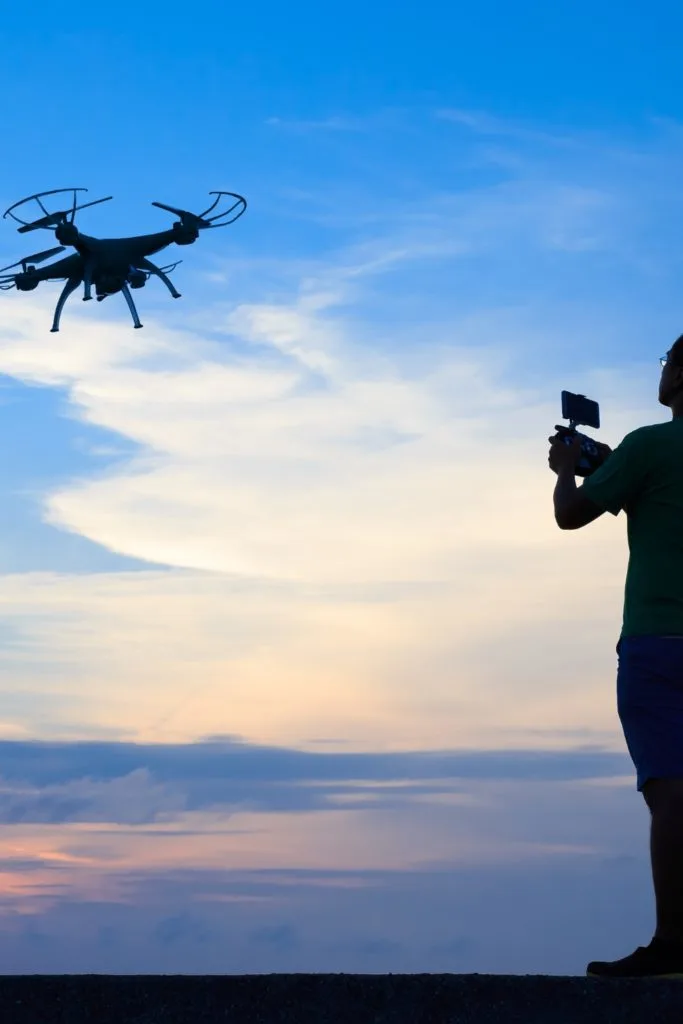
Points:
x=580 y=409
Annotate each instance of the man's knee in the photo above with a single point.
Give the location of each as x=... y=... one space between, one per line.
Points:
x=663 y=794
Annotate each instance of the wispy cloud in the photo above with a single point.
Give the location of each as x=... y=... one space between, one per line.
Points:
x=484 y=123
x=133 y=784
x=327 y=124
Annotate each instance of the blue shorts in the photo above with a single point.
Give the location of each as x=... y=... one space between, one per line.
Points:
x=650 y=704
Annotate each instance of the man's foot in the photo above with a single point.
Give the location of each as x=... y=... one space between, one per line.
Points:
x=658 y=960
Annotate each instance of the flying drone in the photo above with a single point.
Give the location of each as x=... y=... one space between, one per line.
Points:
x=109 y=265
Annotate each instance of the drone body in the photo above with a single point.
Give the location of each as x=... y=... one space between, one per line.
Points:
x=110 y=265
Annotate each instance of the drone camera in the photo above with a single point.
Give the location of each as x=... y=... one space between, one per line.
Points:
x=137 y=278
x=581 y=410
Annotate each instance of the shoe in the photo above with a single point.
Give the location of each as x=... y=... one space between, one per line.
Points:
x=658 y=960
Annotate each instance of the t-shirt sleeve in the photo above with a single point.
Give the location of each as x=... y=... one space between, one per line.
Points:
x=622 y=478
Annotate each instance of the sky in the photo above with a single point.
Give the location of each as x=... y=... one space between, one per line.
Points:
x=297 y=672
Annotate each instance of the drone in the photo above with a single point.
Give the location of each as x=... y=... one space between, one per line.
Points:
x=109 y=265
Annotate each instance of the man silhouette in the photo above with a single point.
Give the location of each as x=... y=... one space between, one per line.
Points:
x=644 y=477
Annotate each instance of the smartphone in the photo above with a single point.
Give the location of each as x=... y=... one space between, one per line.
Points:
x=579 y=409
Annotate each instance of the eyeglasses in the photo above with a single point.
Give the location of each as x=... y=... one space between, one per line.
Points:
x=664 y=359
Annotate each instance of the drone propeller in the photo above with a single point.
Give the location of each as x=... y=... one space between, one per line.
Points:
x=200 y=220
x=36 y=258
x=50 y=220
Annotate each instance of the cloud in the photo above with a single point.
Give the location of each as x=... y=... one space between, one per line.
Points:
x=180 y=655
x=279 y=936
x=134 y=798
x=344 y=474
x=350 y=500
x=130 y=784
x=343 y=470
x=183 y=928
x=301 y=471
x=422 y=918
x=327 y=124
x=484 y=123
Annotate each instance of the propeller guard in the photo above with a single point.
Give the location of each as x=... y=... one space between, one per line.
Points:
x=201 y=221
x=217 y=220
x=50 y=220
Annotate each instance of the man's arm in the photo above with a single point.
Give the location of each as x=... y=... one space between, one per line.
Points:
x=572 y=508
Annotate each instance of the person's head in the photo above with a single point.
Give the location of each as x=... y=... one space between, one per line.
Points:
x=671 y=381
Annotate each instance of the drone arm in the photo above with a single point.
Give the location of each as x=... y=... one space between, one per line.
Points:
x=131 y=305
x=70 y=286
x=151 y=268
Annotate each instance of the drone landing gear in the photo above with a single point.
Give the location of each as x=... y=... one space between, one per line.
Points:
x=131 y=305
x=70 y=286
x=88 y=268
x=151 y=268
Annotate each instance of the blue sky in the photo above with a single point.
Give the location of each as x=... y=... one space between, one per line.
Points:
x=298 y=673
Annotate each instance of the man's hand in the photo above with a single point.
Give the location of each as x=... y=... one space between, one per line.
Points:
x=564 y=456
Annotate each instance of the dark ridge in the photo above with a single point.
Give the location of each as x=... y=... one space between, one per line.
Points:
x=337 y=998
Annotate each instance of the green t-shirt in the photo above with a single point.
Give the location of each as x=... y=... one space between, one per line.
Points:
x=644 y=476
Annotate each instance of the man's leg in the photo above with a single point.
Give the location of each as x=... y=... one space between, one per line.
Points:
x=664 y=797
